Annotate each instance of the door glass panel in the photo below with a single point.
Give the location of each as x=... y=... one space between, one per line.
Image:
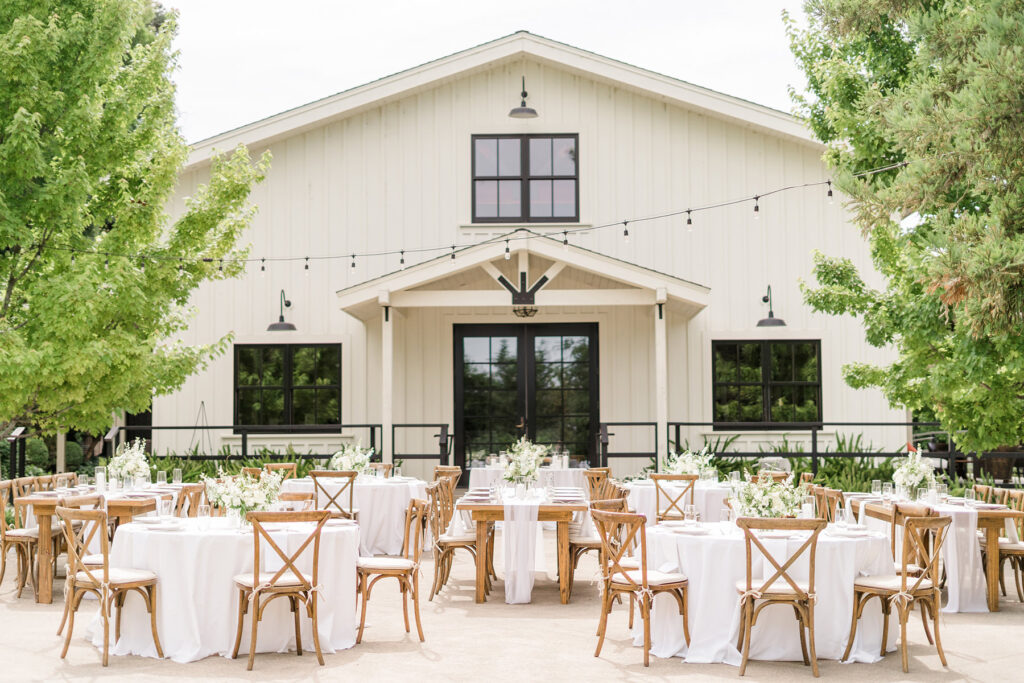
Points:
x=562 y=401
x=490 y=393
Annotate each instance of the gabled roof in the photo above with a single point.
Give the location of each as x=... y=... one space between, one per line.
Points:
x=640 y=285
x=484 y=56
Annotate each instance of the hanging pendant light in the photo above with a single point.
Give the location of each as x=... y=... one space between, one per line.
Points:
x=281 y=325
x=522 y=111
x=771 y=320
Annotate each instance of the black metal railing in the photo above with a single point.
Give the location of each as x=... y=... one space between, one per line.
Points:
x=604 y=441
x=16 y=453
x=444 y=441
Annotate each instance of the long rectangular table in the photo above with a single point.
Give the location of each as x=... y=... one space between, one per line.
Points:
x=485 y=514
x=992 y=521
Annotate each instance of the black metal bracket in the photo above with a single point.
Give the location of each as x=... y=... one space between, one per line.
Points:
x=523 y=296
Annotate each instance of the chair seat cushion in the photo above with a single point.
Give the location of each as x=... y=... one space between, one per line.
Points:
x=580 y=539
x=629 y=563
x=890 y=583
x=462 y=537
x=117 y=576
x=23 y=535
x=1011 y=548
x=779 y=588
x=654 y=578
x=384 y=563
x=912 y=569
x=286 y=579
x=93 y=560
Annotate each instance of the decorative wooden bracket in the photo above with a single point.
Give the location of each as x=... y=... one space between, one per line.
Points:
x=523 y=295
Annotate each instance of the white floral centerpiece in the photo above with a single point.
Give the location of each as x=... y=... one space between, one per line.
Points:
x=913 y=471
x=524 y=458
x=129 y=461
x=351 y=458
x=763 y=497
x=244 y=493
x=688 y=462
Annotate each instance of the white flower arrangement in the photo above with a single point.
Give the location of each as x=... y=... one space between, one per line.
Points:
x=351 y=458
x=912 y=471
x=129 y=461
x=762 y=497
x=244 y=492
x=688 y=462
x=524 y=458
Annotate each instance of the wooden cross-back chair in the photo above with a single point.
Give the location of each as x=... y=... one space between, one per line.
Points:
x=618 y=532
x=253 y=472
x=453 y=472
x=922 y=541
x=441 y=509
x=111 y=585
x=833 y=501
x=301 y=497
x=1014 y=552
x=806 y=477
x=45 y=483
x=287 y=470
x=406 y=569
x=580 y=544
x=776 y=475
x=258 y=589
x=595 y=478
x=1000 y=496
x=335 y=502
x=780 y=588
x=386 y=467
x=92 y=501
x=674 y=501
x=982 y=492
x=22 y=540
x=190 y=497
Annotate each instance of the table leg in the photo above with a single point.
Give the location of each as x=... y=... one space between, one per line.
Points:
x=563 y=561
x=44 y=558
x=481 y=560
x=992 y=567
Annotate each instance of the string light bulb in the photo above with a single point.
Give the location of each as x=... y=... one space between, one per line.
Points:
x=181 y=266
x=689 y=221
x=307 y=264
x=72 y=258
x=263 y=265
x=453 y=254
x=829 y=193
x=353 y=261
x=401 y=260
x=508 y=254
x=625 y=231
x=565 y=240
x=106 y=263
x=220 y=267
x=757 y=207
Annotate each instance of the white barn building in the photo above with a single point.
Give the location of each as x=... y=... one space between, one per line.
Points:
x=657 y=329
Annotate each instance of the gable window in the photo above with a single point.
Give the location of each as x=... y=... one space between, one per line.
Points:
x=766 y=382
x=525 y=178
x=278 y=386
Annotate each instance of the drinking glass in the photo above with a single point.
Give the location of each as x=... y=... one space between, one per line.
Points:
x=839 y=516
x=726 y=515
x=734 y=476
x=808 y=509
x=306 y=505
x=397 y=472
x=84 y=480
x=922 y=494
x=101 y=479
x=165 y=507
x=176 y=475
x=234 y=518
x=942 y=492
x=161 y=478
x=970 y=497
x=876 y=487
x=690 y=515
x=113 y=484
x=887 y=492
x=203 y=517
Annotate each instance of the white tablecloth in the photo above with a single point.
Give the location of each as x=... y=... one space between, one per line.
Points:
x=709 y=499
x=715 y=562
x=197 y=602
x=483 y=477
x=382 y=504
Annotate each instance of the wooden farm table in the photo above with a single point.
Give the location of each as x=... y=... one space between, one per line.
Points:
x=992 y=521
x=485 y=514
x=43 y=507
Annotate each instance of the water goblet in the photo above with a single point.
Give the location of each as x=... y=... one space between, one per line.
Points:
x=876 y=487
x=84 y=480
x=690 y=515
x=839 y=516
x=942 y=492
x=734 y=477
x=203 y=517
x=176 y=475
x=887 y=492
x=164 y=507
x=725 y=515
x=970 y=497
x=161 y=478
x=922 y=494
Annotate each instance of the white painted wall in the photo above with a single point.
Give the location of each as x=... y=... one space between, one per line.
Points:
x=398 y=176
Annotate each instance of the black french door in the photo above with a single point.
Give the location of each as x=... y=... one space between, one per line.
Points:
x=536 y=380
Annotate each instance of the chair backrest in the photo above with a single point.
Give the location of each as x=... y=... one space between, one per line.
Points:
x=922 y=540
x=385 y=467
x=982 y=492
x=89 y=501
x=253 y=472
x=1015 y=501
x=45 y=483
x=673 y=502
x=776 y=476
x=296 y=496
x=82 y=528
x=190 y=497
x=446 y=500
x=901 y=512
x=412 y=540
x=5 y=498
x=615 y=490
x=434 y=511
x=619 y=532
x=806 y=477
x=1000 y=496
x=288 y=571
x=335 y=502
x=454 y=472
x=595 y=477
x=833 y=500
x=287 y=470
x=782 y=569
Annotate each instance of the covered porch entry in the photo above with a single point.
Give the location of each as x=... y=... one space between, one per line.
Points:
x=518 y=337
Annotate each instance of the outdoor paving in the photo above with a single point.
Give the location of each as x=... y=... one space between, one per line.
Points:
x=494 y=641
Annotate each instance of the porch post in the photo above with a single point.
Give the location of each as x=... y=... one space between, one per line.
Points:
x=661 y=373
x=387 y=360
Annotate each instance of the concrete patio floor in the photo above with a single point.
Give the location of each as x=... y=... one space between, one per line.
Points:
x=495 y=642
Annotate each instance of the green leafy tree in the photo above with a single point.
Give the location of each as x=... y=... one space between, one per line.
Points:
x=89 y=156
x=937 y=90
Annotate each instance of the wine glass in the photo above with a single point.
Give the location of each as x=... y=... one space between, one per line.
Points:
x=970 y=497
x=165 y=508
x=176 y=475
x=690 y=515
x=876 y=487
x=161 y=478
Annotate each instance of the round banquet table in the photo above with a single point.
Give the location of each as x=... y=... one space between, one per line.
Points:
x=713 y=563
x=709 y=499
x=197 y=601
x=382 y=504
x=483 y=477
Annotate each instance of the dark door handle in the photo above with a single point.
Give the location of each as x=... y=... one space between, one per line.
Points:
x=522 y=423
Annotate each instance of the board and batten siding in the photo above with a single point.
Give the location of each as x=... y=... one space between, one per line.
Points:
x=397 y=175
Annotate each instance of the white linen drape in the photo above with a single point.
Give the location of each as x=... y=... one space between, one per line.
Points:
x=520 y=544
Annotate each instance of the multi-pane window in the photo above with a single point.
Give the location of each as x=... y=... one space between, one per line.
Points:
x=525 y=178
x=766 y=382
x=563 y=390
x=288 y=385
x=490 y=374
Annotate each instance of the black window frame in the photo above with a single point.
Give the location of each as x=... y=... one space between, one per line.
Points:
x=766 y=384
x=524 y=177
x=288 y=387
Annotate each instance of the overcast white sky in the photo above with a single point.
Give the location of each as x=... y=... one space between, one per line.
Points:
x=244 y=60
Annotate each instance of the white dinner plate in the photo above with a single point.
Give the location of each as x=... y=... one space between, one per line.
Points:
x=691 y=530
x=340 y=522
x=167 y=527
x=148 y=520
x=672 y=523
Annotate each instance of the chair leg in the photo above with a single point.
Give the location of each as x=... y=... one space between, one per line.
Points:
x=254 y=620
x=22 y=571
x=645 y=614
x=924 y=622
x=803 y=638
x=362 y=616
x=747 y=627
x=933 y=607
x=810 y=638
x=903 y=613
x=405 y=601
x=1017 y=579
x=602 y=624
x=71 y=626
x=1002 y=577
x=686 y=619
x=152 y=620
x=118 y=604
x=298 y=631
x=416 y=604
x=105 y=609
x=3 y=564
x=886 y=609
x=853 y=627
x=632 y=602
x=241 y=615
x=313 y=609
